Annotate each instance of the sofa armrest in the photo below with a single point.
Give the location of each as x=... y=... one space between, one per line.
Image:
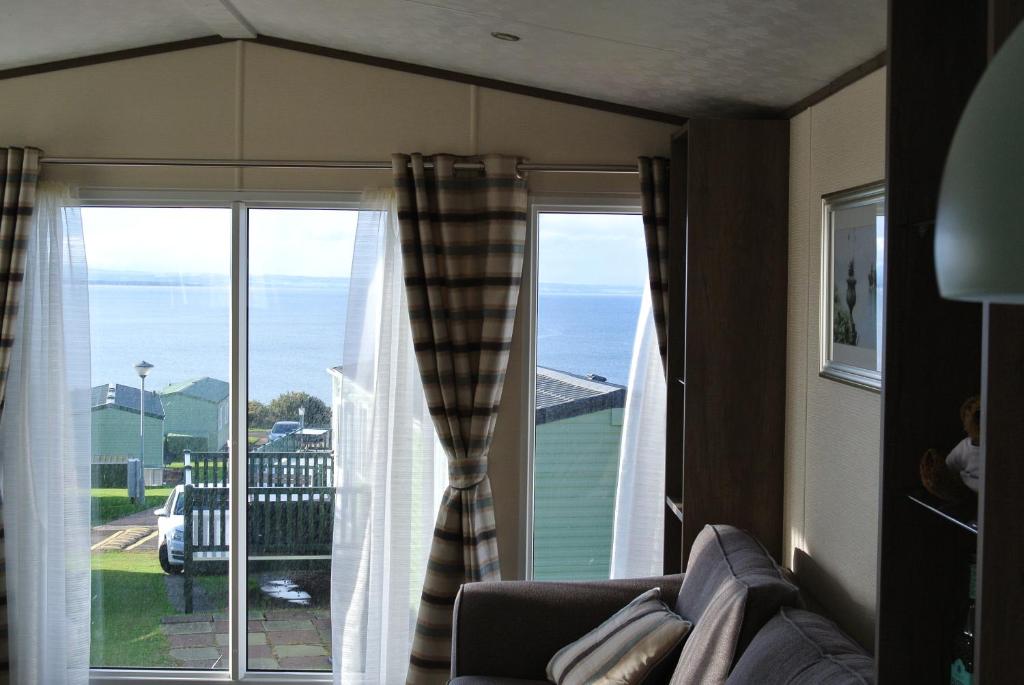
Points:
x=512 y=629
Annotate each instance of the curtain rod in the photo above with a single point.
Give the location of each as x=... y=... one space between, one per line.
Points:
x=315 y=164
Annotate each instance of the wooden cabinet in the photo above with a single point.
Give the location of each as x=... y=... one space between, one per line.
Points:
x=937 y=353
x=727 y=331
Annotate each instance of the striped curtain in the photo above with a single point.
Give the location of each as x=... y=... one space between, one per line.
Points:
x=463 y=236
x=654 y=194
x=19 y=172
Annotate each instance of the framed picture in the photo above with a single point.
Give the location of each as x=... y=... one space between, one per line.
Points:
x=852 y=285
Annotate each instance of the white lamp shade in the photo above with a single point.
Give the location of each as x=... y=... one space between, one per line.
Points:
x=979 y=235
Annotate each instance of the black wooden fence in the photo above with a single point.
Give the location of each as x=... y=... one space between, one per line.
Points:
x=263 y=469
x=282 y=523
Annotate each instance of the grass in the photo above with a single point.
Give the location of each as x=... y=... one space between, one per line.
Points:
x=109 y=504
x=128 y=600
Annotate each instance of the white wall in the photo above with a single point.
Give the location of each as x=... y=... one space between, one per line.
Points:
x=242 y=100
x=830 y=522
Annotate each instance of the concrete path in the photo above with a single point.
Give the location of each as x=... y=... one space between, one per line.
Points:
x=281 y=639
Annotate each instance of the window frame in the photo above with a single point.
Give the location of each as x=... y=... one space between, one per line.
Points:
x=239 y=202
x=583 y=203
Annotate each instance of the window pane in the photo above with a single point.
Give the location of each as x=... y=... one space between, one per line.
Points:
x=299 y=262
x=158 y=291
x=591 y=276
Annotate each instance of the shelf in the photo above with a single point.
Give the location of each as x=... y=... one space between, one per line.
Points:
x=957 y=515
x=675 y=506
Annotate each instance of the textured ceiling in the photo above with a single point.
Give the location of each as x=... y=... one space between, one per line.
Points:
x=685 y=57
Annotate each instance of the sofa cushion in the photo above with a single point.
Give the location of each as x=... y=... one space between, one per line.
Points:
x=798 y=647
x=732 y=587
x=628 y=648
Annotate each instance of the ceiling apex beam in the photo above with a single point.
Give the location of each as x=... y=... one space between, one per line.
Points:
x=222 y=18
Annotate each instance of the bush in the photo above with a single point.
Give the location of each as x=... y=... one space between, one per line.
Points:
x=285 y=407
x=175 y=445
x=110 y=475
x=258 y=414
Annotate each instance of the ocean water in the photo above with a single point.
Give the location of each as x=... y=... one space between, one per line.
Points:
x=297 y=329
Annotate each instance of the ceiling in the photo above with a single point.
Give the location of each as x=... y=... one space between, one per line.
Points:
x=686 y=57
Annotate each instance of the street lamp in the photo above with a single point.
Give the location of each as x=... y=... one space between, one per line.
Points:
x=142 y=368
x=302 y=418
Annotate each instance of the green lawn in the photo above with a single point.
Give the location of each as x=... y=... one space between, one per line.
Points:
x=128 y=600
x=113 y=503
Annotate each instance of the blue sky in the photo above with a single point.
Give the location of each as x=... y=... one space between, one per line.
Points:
x=582 y=249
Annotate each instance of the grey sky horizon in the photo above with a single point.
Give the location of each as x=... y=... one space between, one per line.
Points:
x=574 y=249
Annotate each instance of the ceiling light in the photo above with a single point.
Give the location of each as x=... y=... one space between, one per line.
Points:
x=501 y=35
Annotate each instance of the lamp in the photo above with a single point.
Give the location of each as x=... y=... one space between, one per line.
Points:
x=142 y=368
x=979 y=234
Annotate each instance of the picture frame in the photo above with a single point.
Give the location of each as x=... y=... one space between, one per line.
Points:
x=853 y=285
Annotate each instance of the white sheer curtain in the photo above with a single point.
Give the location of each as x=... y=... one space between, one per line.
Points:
x=637 y=541
x=45 y=448
x=392 y=470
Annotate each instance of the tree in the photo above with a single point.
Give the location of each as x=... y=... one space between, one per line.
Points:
x=258 y=414
x=285 y=407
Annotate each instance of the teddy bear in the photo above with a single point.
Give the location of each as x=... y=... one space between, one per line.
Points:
x=955 y=477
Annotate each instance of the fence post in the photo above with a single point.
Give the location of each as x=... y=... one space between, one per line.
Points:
x=188 y=467
x=188 y=533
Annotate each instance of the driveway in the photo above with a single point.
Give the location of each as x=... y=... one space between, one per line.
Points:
x=133 y=533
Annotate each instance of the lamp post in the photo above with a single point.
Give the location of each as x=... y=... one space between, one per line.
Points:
x=142 y=368
x=302 y=419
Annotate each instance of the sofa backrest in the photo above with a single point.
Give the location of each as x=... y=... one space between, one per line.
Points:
x=798 y=647
x=732 y=587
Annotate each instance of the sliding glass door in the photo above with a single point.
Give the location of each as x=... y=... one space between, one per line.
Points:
x=264 y=480
x=591 y=279
x=298 y=289
x=159 y=310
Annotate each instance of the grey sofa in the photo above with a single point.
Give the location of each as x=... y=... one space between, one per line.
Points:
x=504 y=633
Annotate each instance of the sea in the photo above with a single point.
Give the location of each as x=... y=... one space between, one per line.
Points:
x=297 y=326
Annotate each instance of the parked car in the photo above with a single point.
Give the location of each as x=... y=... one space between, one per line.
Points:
x=170 y=538
x=281 y=429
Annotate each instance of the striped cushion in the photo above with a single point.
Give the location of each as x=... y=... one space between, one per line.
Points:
x=626 y=648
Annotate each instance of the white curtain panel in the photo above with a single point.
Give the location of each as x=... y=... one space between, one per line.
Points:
x=45 y=448
x=638 y=541
x=392 y=470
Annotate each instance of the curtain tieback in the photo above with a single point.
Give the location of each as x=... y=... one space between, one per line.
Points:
x=466 y=473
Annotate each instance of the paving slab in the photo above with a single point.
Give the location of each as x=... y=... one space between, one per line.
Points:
x=186 y=628
x=299 y=650
x=192 y=640
x=194 y=653
x=294 y=637
x=264 y=664
x=276 y=626
x=305 y=663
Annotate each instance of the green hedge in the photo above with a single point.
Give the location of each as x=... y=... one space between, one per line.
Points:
x=175 y=445
x=110 y=475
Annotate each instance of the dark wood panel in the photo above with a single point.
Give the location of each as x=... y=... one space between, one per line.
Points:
x=937 y=50
x=676 y=352
x=737 y=233
x=1000 y=607
x=932 y=355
